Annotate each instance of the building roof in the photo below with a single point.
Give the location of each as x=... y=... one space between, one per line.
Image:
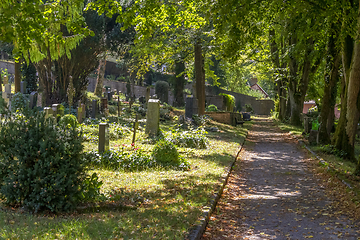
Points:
x=257 y=87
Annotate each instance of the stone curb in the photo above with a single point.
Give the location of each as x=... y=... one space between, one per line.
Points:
x=197 y=231
x=323 y=162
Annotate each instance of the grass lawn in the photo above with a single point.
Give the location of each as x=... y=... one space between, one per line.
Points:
x=156 y=203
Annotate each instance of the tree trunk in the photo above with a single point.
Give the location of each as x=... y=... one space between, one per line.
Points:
x=100 y=77
x=179 y=83
x=341 y=139
x=328 y=101
x=199 y=78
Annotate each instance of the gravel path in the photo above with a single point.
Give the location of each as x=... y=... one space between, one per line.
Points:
x=272 y=195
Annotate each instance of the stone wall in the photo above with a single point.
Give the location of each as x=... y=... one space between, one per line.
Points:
x=121 y=86
x=10 y=66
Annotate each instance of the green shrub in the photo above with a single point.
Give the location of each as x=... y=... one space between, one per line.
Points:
x=166 y=155
x=212 y=108
x=68 y=119
x=331 y=149
x=229 y=101
x=3 y=106
x=162 y=90
x=19 y=102
x=41 y=164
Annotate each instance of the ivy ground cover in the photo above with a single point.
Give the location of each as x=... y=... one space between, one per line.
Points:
x=154 y=203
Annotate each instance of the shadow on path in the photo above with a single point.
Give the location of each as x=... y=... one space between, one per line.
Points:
x=271 y=195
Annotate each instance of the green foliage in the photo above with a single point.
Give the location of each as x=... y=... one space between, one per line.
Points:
x=162 y=90
x=28 y=72
x=19 y=102
x=249 y=108
x=193 y=138
x=199 y=120
x=90 y=129
x=331 y=149
x=229 y=101
x=3 y=106
x=41 y=164
x=166 y=154
x=67 y=120
x=212 y=108
x=128 y=160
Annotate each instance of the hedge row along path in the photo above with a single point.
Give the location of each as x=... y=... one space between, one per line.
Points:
x=277 y=192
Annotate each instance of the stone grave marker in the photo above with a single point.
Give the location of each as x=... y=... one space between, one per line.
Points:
x=39 y=100
x=104 y=104
x=103 y=137
x=191 y=106
x=6 y=80
x=80 y=114
x=93 y=109
x=147 y=95
x=136 y=124
x=153 y=117
x=48 y=112
x=23 y=87
x=33 y=99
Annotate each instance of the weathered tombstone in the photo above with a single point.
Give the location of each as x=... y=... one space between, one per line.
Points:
x=109 y=96
x=48 y=112
x=136 y=124
x=104 y=104
x=33 y=98
x=313 y=137
x=23 y=87
x=307 y=125
x=7 y=94
x=147 y=96
x=83 y=106
x=39 y=100
x=189 y=105
x=80 y=114
x=103 y=137
x=55 y=108
x=153 y=117
x=94 y=109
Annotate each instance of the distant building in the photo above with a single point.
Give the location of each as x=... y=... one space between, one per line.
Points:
x=308 y=105
x=255 y=86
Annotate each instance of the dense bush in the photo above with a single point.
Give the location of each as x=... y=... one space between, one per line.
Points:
x=19 y=102
x=166 y=155
x=249 y=108
x=229 y=101
x=68 y=119
x=41 y=164
x=162 y=90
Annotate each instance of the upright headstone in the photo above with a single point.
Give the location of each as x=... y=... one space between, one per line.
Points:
x=147 y=95
x=93 y=109
x=6 y=80
x=55 y=108
x=79 y=114
x=23 y=87
x=307 y=125
x=48 y=112
x=7 y=94
x=103 y=137
x=189 y=103
x=83 y=106
x=39 y=100
x=104 y=104
x=33 y=98
x=153 y=117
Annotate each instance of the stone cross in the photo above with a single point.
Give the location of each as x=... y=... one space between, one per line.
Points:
x=153 y=117
x=103 y=137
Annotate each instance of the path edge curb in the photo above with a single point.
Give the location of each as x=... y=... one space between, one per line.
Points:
x=196 y=232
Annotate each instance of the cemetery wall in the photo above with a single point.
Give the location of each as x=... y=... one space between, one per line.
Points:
x=261 y=107
x=140 y=91
x=10 y=66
